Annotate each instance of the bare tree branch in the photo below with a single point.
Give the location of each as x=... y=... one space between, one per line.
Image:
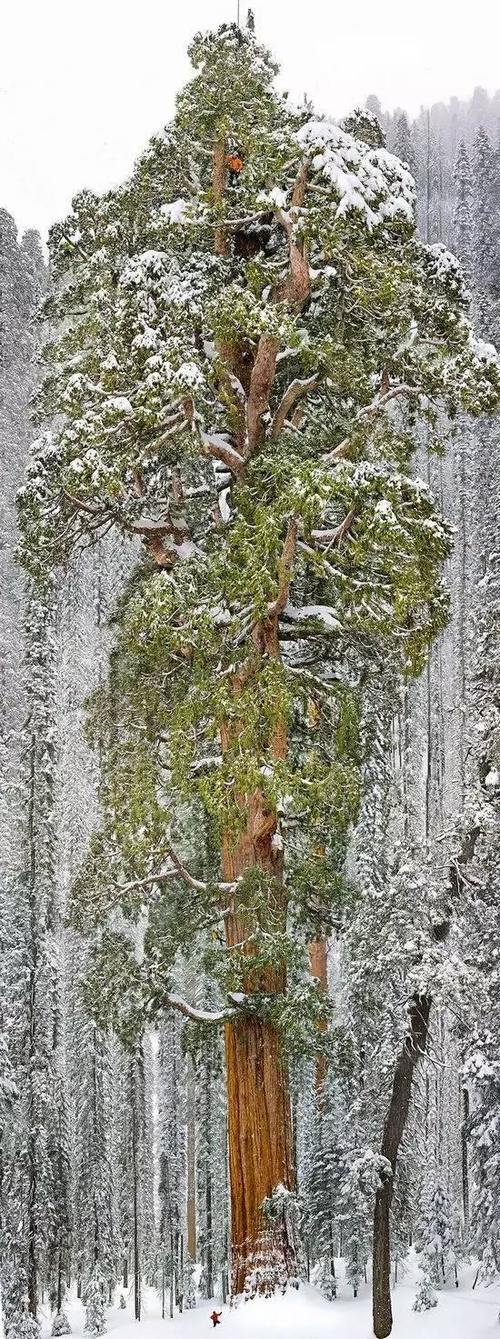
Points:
x=199 y=1015
x=295 y=392
x=285 y=569
x=198 y=884
x=371 y=411
x=218 y=449
x=332 y=537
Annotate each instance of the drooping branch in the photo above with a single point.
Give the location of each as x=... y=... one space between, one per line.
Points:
x=87 y=507
x=199 y=1015
x=178 y=871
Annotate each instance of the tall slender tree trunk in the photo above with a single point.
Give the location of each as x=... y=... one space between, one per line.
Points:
x=394 y=1126
x=32 y=1260
x=135 y=1178
x=209 y=1225
x=318 y=966
x=465 y=1099
x=191 y=1164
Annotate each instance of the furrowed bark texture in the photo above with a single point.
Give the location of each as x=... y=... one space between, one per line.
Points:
x=318 y=967
x=394 y=1126
x=259 y=1111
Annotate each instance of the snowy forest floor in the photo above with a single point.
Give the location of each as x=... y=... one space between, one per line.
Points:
x=460 y=1314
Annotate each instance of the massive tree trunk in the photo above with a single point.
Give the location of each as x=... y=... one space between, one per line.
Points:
x=394 y=1126
x=260 y=1155
x=259 y=1109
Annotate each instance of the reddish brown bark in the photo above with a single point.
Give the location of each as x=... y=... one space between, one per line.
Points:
x=318 y=966
x=296 y=288
x=259 y=1111
x=261 y=383
x=219 y=173
x=259 y=1115
x=260 y=1147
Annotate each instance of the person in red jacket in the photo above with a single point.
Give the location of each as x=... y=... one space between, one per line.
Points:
x=215 y=1318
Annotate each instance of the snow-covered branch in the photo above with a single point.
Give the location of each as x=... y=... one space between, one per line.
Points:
x=199 y=1015
x=296 y=391
x=216 y=446
x=376 y=407
x=178 y=871
x=332 y=537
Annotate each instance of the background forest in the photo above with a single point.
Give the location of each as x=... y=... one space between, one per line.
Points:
x=113 y=1163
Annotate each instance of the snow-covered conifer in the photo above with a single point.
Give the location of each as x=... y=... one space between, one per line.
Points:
x=259 y=329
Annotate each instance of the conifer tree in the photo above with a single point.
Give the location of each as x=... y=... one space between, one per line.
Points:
x=437 y=1246
x=40 y=1144
x=172 y=1165
x=486 y=233
x=18 y=299
x=463 y=222
x=96 y=1238
x=402 y=143
x=257 y=330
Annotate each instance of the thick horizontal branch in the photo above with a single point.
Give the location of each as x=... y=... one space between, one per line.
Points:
x=332 y=537
x=178 y=871
x=219 y=449
x=199 y=1015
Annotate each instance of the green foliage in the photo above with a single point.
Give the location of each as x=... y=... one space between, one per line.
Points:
x=204 y=408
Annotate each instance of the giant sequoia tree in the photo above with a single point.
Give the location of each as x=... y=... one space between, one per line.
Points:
x=250 y=332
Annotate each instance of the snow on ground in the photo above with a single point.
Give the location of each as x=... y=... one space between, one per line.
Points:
x=460 y=1314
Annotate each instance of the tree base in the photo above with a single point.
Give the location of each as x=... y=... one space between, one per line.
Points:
x=270 y=1265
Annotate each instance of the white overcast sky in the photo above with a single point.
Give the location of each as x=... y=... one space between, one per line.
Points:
x=83 y=83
